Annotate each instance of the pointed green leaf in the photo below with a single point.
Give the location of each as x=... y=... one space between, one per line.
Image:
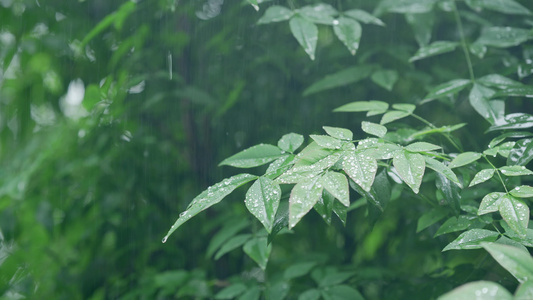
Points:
x=326 y=141
x=454 y=224
x=422 y=26
x=421 y=147
x=514 y=121
x=385 y=78
x=232 y=244
x=312 y=154
x=393 y=115
x=478 y=50
x=262 y=200
x=479 y=97
x=230 y=228
x=306 y=33
x=472 y=239
x=502 y=6
x=254 y=156
x=498 y=81
x=482 y=176
x=213 y=195
x=443 y=169
x=341 y=211
x=410 y=108
x=431 y=217
x=451 y=192
x=232 y=291
x=324 y=206
x=340 y=133
x=373 y=128
x=276 y=13
x=464 y=159
x=486 y=290
x=259 y=250
x=503 y=37
x=337 y=185
x=364 y=17
x=515 y=213
x=349 y=33
x=298 y=269
x=521 y=91
x=279 y=166
x=433 y=49
x=341 y=78
x=338 y=292
x=410 y=167
x=290 y=142
x=361 y=169
x=406 y=6
x=523 y=191
x=359 y=106
x=518 y=263
x=303 y=197
x=319 y=13
x=522 y=153
x=524 y=291
x=490 y=203
x=447 y=88
x=312 y=294
x=515 y=171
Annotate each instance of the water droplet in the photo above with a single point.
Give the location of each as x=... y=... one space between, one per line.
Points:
x=164 y=240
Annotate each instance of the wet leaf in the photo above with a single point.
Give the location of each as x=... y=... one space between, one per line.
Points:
x=290 y=142
x=319 y=13
x=312 y=154
x=363 y=16
x=447 y=88
x=433 y=49
x=410 y=167
x=421 y=147
x=275 y=13
x=431 y=217
x=337 y=185
x=232 y=244
x=472 y=239
x=349 y=33
x=454 y=224
x=515 y=213
x=279 y=166
x=385 y=78
x=229 y=230
x=410 y=108
x=213 y=195
x=341 y=211
x=361 y=169
x=406 y=6
x=524 y=291
x=522 y=153
x=422 y=26
x=359 y=106
x=514 y=121
x=341 y=78
x=503 y=37
x=451 y=192
x=303 y=197
x=523 y=191
x=515 y=171
x=306 y=33
x=393 y=115
x=262 y=200
x=503 y=240
x=485 y=290
x=490 y=203
x=518 y=263
x=464 y=159
x=482 y=176
x=503 y=6
x=326 y=141
x=443 y=169
x=339 y=292
x=254 y=156
x=259 y=250
x=373 y=128
x=498 y=81
x=324 y=206
x=490 y=110
x=522 y=91
x=340 y=133
x=478 y=50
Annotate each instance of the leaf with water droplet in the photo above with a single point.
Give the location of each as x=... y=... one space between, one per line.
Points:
x=306 y=33
x=393 y=115
x=410 y=167
x=259 y=250
x=319 y=13
x=472 y=239
x=522 y=153
x=515 y=171
x=213 y=195
x=513 y=121
x=340 y=133
x=303 y=197
x=524 y=291
x=359 y=106
x=275 y=13
x=290 y=142
x=482 y=176
x=464 y=158
x=435 y=48
x=324 y=206
x=443 y=169
x=374 y=129
x=490 y=203
x=337 y=184
x=454 y=224
x=254 y=156
x=326 y=141
x=279 y=166
x=363 y=16
x=498 y=81
x=262 y=200
x=523 y=191
x=410 y=108
x=490 y=110
x=482 y=290
x=515 y=213
x=361 y=169
x=503 y=37
x=421 y=147
x=518 y=263
x=447 y=88
x=349 y=33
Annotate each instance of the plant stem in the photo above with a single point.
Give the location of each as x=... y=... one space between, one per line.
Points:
x=447 y=136
x=463 y=41
x=497 y=172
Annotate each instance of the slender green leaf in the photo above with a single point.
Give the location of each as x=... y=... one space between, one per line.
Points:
x=464 y=159
x=410 y=108
x=523 y=191
x=303 y=197
x=349 y=33
x=406 y=6
x=340 y=133
x=421 y=147
x=454 y=224
x=359 y=106
x=364 y=17
x=518 y=263
x=472 y=239
x=337 y=185
x=232 y=244
x=514 y=121
x=490 y=203
x=373 y=128
x=503 y=37
x=341 y=211
x=254 y=156
x=306 y=33
x=385 y=78
x=515 y=171
x=486 y=290
x=443 y=169
x=498 y=81
x=482 y=176
x=319 y=13
x=231 y=291
x=410 y=167
x=298 y=269
x=341 y=292
x=503 y=240
x=275 y=13
x=341 y=78
x=393 y=115
x=326 y=141
x=361 y=169
x=262 y=200
x=433 y=49
x=522 y=153
x=259 y=250
x=502 y=6
x=447 y=88
x=431 y=217
x=451 y=192
x=213 y=195
x=521 y=91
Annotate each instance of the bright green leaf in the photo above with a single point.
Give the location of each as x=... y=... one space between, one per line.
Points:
x=276 y=13
x=361 y=169
x=472 y=239
x=393 y=115
x=447 y=88
x=464 y=159
x=306 y=33
x=303 y=197
x=521 y=91
x=341 y=78
x=373 y=129
x=498 y=81
x=515 y=212
x=349 y=33
x=515 y=171
x=385 y=78
x=410 y=167
x=490 y=203
x=340 y=133
x=359 y=106
x=523 y=191
x=254 y=156
x=503 y=37
x=364 y=17
x=482 y=176
x=514 y=121
x=443 y=169
x=433 y=49
x=421 y=147
x=337 y=185
x=326 y=141
x=454 y=224
x=262 y=200
x=482 y=290
x=290 y=142
x=319 y=13
x=479 y=97
x=410 y=108
x=524 y=291
x=518 y=263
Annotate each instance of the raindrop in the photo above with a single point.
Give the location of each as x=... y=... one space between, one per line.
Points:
x=164 y=239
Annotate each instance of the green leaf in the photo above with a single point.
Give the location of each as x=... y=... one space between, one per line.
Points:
x=306 y=33
x=478 y=50
x=337 y=185
x=341 y=78
x=482 y=176
x=410 y=108
x=349 y=33
x=515 y=171
x=361 y=169
x=454 y=224
x=502 y=6
x=431 y=217
x=275 y=13
x=472 y=239
x=522 y=153
x=229 y=230
x=422 y=26
x=231 y=291
x=523 y=191
x=421 y=147
x=524 y=291
x=259 y=250
x=326 y=141
x=363 y=16
x=262 y=200
x=447 y=88
x=254 y=156
x=319 y=13
x=312 y=154
x=279 y=166
x=303 y=197
x=464 y=159
x=503 y=37
x=232 y=244
x=385 y=78
x=406 y=6
x=290 y=142
x=252 y=293
x=374 y=129
x=213 y=195
x=513 y=121
x=341 y=211
x=518 y=263
x=521 y=91
x=410 y=167
x=498 y=81
x=254 y=4
x=451 y=192
x=324 y=206
x=278 y=290
x=359 y=106
x=341 y=292
x=340 y=133
x=515 y=213
x=298 y=270
x=503 y=240
x=433 y=49
x=490 y=203
x=485 y=290
x=393 y=115
x=443 y=169
x=312 y=294
x=479 y=96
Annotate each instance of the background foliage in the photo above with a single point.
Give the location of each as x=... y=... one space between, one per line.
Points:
x=113 y=116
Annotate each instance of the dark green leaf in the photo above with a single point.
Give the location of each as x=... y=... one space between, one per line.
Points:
x=502 y=6
x=479 y=96
x=406 y=6
x=503 y=37
x=254 y=156
x=298 y=270
x=312 y=294
x=410 y=167
x=443 y=169
x=232 y=244
x=341 y=78
x=522 y=91
x=324 y=206
x=451 y=192
x=385 y=78
x=277 y=291
x=253 y=293
x=454 y=224
x=341 y=211
x=349 y=33
x=518 y=263
x=485 y=290
x=276 y=13
x=341 y=292
x=303 y=197
x=306 y=33
x=363 y=16
x=498 y=81
x=254 y=4
x=515 y=212
x=262 y=200
x=231 y=291
x=513 y=121
x=433 y=49
x=447 y=88
x=259 y=250
x=340 y=133
x=359 y=106
x=431 y=217
x=229 y=230
x=422 y=26
x=522 y=153
x=472 y=239
x=290 y=142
